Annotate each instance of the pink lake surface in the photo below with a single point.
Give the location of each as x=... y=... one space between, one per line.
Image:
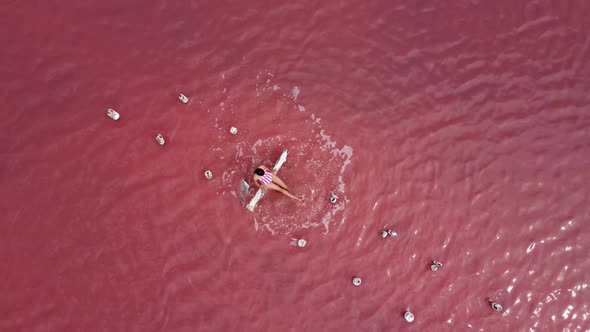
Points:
x=464 y=126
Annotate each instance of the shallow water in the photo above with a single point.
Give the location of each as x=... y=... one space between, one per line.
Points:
x=464 y=128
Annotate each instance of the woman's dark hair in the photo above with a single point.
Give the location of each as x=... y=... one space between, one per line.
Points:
x=259 y=171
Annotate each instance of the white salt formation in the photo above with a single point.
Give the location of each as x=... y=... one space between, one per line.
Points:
x=435 y=265
x=388 y=232
x=160 y=139
x=333 y=198
x=113 y=114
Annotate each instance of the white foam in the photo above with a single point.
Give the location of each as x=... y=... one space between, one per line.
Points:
x=530 y=248
x=258 y=142
x=295 y=93
x=239 y=151
x=339 y=156
x=345 y=152
x=272 y=231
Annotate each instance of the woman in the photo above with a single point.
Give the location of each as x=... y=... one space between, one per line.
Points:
x=264 y=178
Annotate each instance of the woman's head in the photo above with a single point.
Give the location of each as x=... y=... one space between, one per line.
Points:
x=259 y=171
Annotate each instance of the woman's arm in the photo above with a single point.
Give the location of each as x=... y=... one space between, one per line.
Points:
x=257 y=183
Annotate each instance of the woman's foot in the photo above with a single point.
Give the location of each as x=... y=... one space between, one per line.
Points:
x=297 y=198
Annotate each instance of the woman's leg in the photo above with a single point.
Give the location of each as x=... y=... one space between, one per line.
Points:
x=278 y=181
x=285 y=192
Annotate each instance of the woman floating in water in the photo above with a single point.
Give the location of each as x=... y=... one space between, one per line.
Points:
x=264 y=178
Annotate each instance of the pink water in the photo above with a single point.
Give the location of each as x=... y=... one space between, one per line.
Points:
x=464 y=126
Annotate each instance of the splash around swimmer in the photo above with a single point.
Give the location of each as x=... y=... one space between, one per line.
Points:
x=265 y=179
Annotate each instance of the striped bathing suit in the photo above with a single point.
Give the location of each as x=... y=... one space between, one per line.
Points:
x=266 y=178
